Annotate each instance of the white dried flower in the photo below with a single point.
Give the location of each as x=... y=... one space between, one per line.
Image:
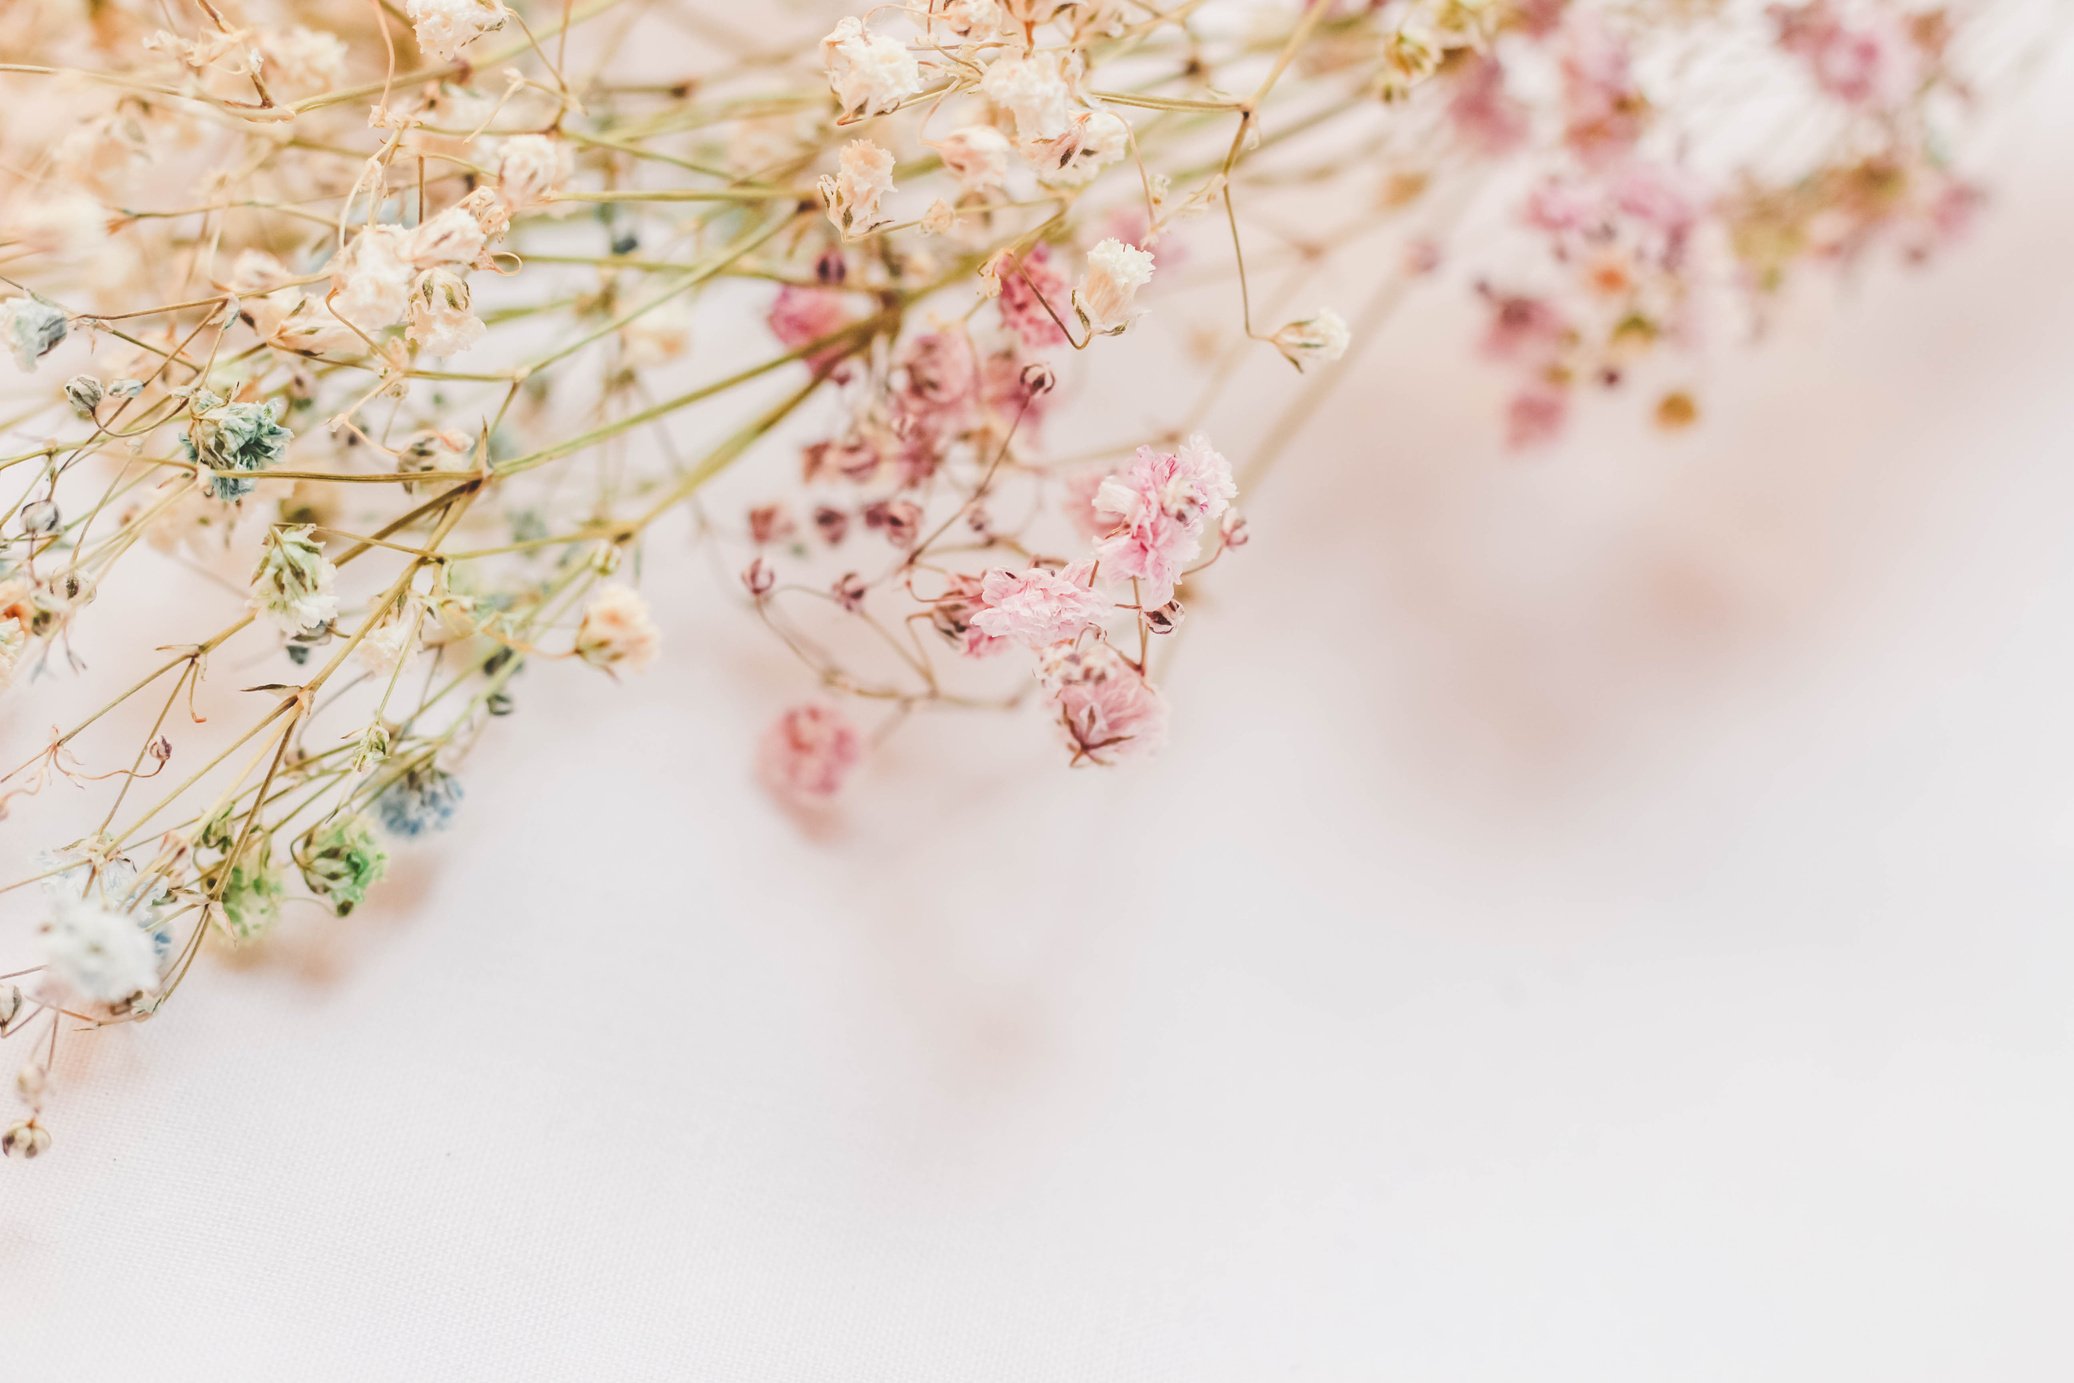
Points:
x=1115 y=273
x=292 y=585
x=454 y=236
x=659 y=335
x=32 y=329
x=869 y=73
x=96 y=954
x=976 y=155
x=1094 y=140
x=442 y=316
x=616 y=631
x=445 y=27
x=1318 y=339
x=1037 y=90
x=370 y=278
x=302 y=61
x=864 y=175
x=531 y=168
x=28 y=1141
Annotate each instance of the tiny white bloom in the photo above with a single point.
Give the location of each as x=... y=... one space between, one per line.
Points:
x=445 y=27
x=1319 y=339
x=976 y=155
x=864 y=175
x=1115 y=273
x=1037 y=90
x=616 y=631
x=293 y=584
x=96 y=954
x=530 y=169
x=869 y=73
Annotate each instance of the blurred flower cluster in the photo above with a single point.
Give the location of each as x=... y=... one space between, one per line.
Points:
x=426 y=327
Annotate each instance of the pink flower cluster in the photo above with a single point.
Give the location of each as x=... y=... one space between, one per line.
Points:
x=1157 y=509
x=808 y=753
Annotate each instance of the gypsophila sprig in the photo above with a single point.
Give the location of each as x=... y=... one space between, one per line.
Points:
x=390 y=349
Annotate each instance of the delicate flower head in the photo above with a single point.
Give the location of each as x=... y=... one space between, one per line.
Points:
x=1027 y=286
x=454 y=236
x=1159 y=506
x=236 y=437
x=1036 y=89
x=869 y=73
x=808 y=753
x=1318 y=339
x=442 y=314
x=1115 y=273
x=976 y=155
x=800 y=316
x=31 y=328
x=422 y=800
x=1037 y=607
x=97 y=954
x=531 y=168
x=251 y=898
x=1106 y=708
x=371 y=278
x=293 y=584
x=616 y=631
x=445 y=27
x=341 y=860
x=852 y=194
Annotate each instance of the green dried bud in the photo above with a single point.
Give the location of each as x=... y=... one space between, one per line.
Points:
x=251 y=898
x=236 y=437
x=372 y=749
x=32 y=329
x=341 y=860
x=292 y=586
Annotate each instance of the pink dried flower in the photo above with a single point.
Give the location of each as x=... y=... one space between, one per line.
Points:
x=1037 y=607
x=1027 y=285
x=801 y=316
x=1109 y=712
x=1159 y=505
x=1536 y=415
x=808 y=753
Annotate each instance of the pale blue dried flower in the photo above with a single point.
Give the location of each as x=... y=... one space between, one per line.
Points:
x=421 y=800
x=33 y=329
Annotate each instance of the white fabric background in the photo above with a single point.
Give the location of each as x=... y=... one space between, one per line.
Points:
x=1602 y=917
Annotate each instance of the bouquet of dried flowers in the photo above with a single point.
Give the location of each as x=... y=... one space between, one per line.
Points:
x=419 y=325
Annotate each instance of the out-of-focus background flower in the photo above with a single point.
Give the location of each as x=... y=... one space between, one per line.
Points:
x=1603 y=914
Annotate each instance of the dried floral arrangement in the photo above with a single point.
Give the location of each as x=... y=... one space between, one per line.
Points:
x=400 y=317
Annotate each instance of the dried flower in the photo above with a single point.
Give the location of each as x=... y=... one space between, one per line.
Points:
x=251 y=899
x=1319 y=339
x=1115 y=273
x=616 y=631
x=530 y=168
x=864 y=175
x=236 y=437
x=442 y=314
x=808 y=753
x=341 y=860
x=27 y=1141
x=1109 y=712
x=869 y=73
x=1037 y=607
x=293 y=585
x=95 y=954
x=445 y=27
x=976 y=155
x=32 y=329
x=422 y=799
x=1159 y=506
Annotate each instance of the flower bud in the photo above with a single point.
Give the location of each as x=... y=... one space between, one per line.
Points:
x=26 y=1141
x=39 y=516
x=849 y=591
x=10 y=1003
x=1233 y=529
x=84 y=393
x=759 y=578
x=1165 y=619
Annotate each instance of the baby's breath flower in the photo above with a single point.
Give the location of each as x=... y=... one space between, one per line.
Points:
x=422 y=800
x=342 y=860
x=96 y=954
x=1115 y=273
x=809 y=753
x=33 y=329
x=371 y=277
x=251 y=899
x=84 y=393
x=454 y=236
x=1106 y=707
x=293 y=584
x=616 y=631
x=27 y=1140
x=1037 y=91
x=10 y=1003
x=1319 y=339
x=869 y=73
x=864 y=175
x=442 y=315
x=236 y=437
x=445 y=27
x=976 y=155
x=530 y=168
